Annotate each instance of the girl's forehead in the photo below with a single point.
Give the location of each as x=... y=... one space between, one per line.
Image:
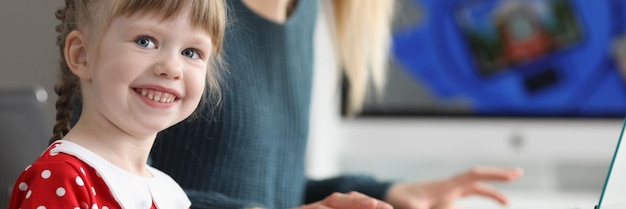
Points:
x=183 y=16
x=183 y=24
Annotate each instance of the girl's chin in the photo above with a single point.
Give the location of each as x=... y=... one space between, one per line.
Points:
x=156 y=128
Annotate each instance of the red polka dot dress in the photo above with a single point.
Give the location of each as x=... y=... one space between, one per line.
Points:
x=69 y=176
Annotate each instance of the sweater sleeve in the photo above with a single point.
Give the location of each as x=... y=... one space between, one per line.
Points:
x=213 y=200
x=319 y=189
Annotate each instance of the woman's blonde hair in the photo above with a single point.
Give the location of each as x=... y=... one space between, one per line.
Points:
x=94 y=16
x=363 y=30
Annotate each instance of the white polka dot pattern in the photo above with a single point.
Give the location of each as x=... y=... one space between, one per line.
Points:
x=61 y=192
x=46 y=174
x=79 y=181
x=62 y=181
x=23 y=186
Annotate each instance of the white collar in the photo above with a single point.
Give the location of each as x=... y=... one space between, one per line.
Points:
x=130 y=190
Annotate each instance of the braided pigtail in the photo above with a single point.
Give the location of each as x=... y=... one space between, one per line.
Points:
x=68 y=85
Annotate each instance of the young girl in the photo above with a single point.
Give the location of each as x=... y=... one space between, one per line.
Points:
x=140 y=66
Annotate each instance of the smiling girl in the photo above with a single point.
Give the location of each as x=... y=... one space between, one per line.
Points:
x=140 y=66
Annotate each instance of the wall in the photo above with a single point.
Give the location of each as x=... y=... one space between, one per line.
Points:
x=28 y=58
x=29 y=54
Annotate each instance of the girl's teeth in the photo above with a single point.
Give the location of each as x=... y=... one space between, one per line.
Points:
x=157 y=96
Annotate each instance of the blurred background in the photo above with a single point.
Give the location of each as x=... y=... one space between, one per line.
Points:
x=29 y=64
x=531 y=83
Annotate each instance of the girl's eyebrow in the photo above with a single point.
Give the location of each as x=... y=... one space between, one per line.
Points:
x=134 y=27
x=201 y=38
x=197 y=36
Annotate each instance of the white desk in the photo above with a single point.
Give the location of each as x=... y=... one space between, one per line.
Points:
x=535 y=200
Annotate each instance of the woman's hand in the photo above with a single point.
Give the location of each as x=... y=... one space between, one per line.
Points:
x=352 y=200
x=441 y=194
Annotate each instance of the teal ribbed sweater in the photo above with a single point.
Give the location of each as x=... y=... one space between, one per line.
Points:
x=253 y=152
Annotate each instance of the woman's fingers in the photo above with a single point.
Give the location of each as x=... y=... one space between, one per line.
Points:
x=354 y=200
x=488 y=174
x=486 y=191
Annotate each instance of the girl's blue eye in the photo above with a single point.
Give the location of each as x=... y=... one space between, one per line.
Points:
x=145 y=42
x=191 y=53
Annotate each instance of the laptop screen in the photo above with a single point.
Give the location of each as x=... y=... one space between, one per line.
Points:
x=614 y=192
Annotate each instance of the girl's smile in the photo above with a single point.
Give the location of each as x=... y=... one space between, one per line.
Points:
x=157 y=97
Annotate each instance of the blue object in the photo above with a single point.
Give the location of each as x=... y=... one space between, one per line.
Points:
x=579 y=78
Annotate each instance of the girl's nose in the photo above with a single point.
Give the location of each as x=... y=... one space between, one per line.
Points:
x=169 y=69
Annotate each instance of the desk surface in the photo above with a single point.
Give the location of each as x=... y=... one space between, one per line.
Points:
x=535 y=200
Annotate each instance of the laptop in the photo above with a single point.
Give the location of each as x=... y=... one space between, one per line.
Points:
x=24 y=131
x=614 y=192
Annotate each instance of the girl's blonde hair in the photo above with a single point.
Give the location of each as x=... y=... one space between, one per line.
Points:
x=93 y=17
x=363 y=30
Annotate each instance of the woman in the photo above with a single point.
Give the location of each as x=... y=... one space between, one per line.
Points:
x=252 y=154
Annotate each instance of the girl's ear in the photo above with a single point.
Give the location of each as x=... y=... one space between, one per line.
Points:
x=76 y=54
